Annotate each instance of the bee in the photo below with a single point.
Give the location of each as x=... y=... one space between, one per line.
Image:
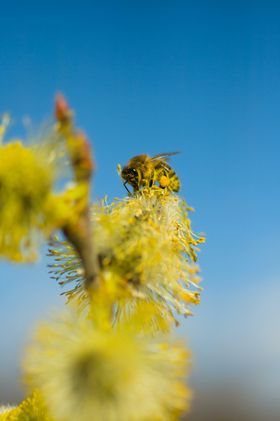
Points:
x=145 y=171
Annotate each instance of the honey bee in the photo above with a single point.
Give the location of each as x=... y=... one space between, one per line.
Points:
x=145 y=171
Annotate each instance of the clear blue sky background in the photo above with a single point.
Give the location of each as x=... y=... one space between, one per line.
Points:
x=201 y=77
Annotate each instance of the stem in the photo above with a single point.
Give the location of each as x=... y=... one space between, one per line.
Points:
x=80 y=233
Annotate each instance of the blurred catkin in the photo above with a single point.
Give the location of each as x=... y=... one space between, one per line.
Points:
x=88 y=371
x=32 y=408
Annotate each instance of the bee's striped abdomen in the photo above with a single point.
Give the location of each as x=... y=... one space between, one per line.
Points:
x=167 y=178
x=174 y=182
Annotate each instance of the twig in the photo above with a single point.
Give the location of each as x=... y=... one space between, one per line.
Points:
x=79 y=233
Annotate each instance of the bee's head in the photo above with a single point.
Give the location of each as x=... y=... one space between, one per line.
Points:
x=131 y=175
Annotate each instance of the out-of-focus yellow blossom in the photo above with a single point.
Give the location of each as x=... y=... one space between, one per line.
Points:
x=146 y=316
x=87 y=372
x=5 y=120
x=4 y=412
x=145 y=245
x=29 y=208
x=25 y=187
x=31 y=409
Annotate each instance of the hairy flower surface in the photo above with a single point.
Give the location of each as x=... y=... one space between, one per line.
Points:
x=145 y=245
x=29 y=207
x=5 y=411
x=86 y=373
x=31 y=409
x=26 y=180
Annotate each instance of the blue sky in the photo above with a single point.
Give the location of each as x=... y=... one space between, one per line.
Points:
x=201 y=77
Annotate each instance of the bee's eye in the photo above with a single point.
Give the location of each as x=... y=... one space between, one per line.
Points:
x=133 y=171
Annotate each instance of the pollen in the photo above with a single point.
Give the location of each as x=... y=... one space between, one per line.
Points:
x=164 y=181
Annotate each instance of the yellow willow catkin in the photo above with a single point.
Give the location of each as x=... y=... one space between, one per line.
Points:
x=30 y=209
x=32 y=408
x=146 y=249
x=87 y=371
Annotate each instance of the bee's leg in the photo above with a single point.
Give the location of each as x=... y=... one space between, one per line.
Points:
x=151 y=183
x=129 y=192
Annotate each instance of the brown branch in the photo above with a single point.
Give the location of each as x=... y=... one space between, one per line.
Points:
x=80 y=232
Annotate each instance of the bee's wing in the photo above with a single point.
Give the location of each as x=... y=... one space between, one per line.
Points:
x=164 y=156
